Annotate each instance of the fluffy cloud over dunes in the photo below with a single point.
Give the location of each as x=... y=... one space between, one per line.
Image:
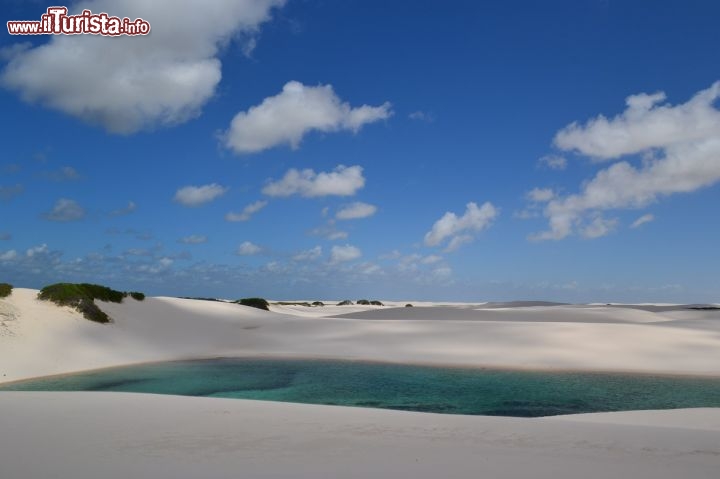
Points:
x=247 y=212
x=459 y=228
x=342 y=181
x=356 y=210
x=679 y=148
x=199 y=195
x=126 y=84
x=296 y=111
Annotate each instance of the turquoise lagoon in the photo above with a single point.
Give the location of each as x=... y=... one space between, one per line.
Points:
x=449 y=390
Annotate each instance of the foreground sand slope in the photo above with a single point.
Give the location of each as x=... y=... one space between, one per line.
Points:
x=120 y=436
x=40 y=338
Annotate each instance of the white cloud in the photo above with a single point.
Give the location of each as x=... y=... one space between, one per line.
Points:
x=248 y=249
x=355 y=211
x=456 y=228
x=329 y=232
x=456 y=242
x=131 y=206
x=540 y=195
x=193 y=239
x=431 y=259
x=247 y=212
x=8 y=255
x=599 y=227
x=421 y=116
x=309 y=255
x=198 y=195
x=299 y=109
x=36 y=250
x=342 y=181
x=553 y=162
x=644 y=125
x=130 y=83
x=642 y=220
x=679 y=146
x=65 y=210
x=341 y=254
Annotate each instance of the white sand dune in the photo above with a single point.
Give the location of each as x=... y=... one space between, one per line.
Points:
x=120 y=436
x=89 y=435
x=39 y=338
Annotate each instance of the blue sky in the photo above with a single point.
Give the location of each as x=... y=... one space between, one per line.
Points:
x=448 y=150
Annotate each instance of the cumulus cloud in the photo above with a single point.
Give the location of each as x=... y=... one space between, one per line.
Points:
x=65 y=210
x=642 y=220
x=329 y=232
x=131 y=207
x=355 y=211
x=299 y=109
x=645 y=124
x=457 y=241
x=199 y=195
x=475 y=219
x=342 y=254
x=342 y=181
x=553 y=162
x=193 y=239
x=8 y=255
x=9 y=192
x=248 y=249
x=309 y=255
x=431 y=259
x=599 y=227
x=126 y=84
x=36 y=250
x=679 y=148
x=540 y=195
x=247 y=212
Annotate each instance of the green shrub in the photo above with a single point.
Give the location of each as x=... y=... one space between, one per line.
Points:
x=364 y=302
x=258 y=303
x=376 y=303
x=103 y=293
x=318 y=303
x=347 y=302
x=137 y=296
x=81 y=297
x=5 y=290
x=90 y=311
x=408 y=305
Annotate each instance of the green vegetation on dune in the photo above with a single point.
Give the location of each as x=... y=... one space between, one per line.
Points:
x=5 y=290
x=81 y=297
x=258 y=303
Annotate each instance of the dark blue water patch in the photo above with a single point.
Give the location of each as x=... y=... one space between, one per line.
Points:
x=399 y=387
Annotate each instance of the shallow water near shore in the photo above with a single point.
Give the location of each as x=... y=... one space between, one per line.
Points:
x=399 y=387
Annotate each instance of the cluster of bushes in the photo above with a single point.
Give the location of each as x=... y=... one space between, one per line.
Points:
x=5 y=290
x=81 y=297
x=301 y=303
x=258 y=303
x=365 y=302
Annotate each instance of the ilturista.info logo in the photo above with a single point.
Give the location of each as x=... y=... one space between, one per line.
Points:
x=56 y=21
